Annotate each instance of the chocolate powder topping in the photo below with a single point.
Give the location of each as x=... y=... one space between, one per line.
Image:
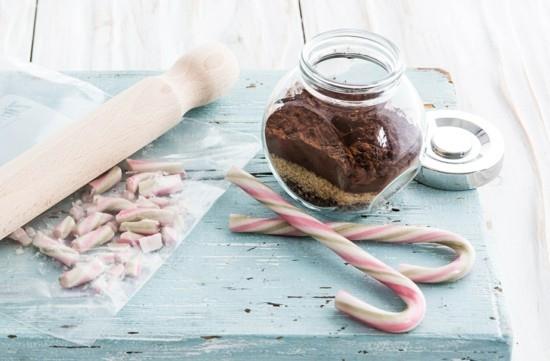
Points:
x=358 y=150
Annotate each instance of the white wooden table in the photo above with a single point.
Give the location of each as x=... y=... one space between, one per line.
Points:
x=496 y=50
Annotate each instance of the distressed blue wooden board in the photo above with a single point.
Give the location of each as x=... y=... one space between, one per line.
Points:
x=224 y=296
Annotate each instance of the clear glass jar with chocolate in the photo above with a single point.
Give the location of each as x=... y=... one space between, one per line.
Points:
x=344 y=130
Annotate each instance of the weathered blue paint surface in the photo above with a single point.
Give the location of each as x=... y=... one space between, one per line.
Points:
x=225 y=296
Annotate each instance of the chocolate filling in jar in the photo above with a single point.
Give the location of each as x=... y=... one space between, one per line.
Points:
x=336 y=143
x=335 y=156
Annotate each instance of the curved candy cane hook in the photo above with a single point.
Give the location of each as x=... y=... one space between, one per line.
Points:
x=388 y=233
x=406 y=289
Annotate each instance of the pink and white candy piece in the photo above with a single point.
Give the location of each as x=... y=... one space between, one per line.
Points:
x=116 y=272
x=407 y=290
x=133 y=266
x=124 y=256
x=31 y=232
x=130 y=238
x=93 y=239
x=123 y=252
x=143 y=202
x=142 y=165
x=110 y=204
x=161 y=201
x=133 y=182
x=91 y=222
x=81 y=273
x=105 y=181
x=164 y=216
x=21 y=236
x=145 y=226
x=64 y=228
x=169 y=236
x=105 y=282
x=128 y=195
x=151 y=243
x=160 y=186
x=77 y=211
x=388 y=233
x=55 y=249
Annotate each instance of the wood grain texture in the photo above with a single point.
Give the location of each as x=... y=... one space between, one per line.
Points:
x=132 y=34
x=495 y=51
x=80 y=152
x=16 y=28
x=247 y=297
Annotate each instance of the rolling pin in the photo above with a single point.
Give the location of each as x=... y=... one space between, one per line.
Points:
x=67 y=160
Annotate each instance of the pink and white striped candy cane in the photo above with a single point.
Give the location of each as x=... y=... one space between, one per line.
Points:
x=406 y=289
x=388 y=233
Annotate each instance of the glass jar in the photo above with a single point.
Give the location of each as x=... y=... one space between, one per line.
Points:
x=344 y=130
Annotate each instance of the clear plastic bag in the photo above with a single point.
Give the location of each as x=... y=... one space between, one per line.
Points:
x=31 y=292
x=35 y=102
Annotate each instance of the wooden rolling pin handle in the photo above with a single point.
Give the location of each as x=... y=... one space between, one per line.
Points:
x=70 y=158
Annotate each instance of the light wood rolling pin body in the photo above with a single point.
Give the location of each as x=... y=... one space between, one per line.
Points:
x=57 y=167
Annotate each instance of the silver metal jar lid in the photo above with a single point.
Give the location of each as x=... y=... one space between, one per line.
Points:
x=463 y=151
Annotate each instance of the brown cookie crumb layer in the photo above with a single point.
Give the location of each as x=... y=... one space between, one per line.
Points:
x=317 y=190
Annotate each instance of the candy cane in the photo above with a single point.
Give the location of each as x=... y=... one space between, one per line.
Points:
x=406 y=289
x=458 y=268
x=105 y=181
x=142 y=165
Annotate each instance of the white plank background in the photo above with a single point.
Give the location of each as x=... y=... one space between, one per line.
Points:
x=496 y=50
